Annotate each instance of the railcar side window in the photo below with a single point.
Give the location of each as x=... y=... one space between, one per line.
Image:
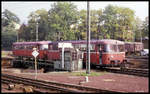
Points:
x=30 y=47
x=92 y=47
x=83 y=47
x=121 y=48
x=44 y=47
x=50 y=47
x=21 y=47
x=104 y=48
x=15 y=47
x=77 y=46
x=55 y=47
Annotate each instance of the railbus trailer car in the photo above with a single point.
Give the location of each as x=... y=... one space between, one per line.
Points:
x=133 y=47
x=22 y=52
x=52 y=55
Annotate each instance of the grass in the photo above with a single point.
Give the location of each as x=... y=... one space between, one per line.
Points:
x=5 y=53
x=91 y=74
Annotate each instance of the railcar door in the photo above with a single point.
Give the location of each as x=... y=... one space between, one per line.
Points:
x=100 y=51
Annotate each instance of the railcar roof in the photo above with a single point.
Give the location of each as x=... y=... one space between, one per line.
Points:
x=133 y=43
x=110 y=41
x=104 y=41
x=33 y=43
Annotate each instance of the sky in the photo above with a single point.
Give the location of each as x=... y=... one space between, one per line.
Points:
x=23 y=9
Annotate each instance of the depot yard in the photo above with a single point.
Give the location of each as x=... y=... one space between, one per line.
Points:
x=100 y=80
x=96 y=79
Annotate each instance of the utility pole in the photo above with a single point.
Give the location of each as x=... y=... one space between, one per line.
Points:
x=17 y=36
x=88 y=40
x=37 y=18
x=37 y=31
x=141 y=35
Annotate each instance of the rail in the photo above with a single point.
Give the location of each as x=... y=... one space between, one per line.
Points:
x=130 y=71
x=59 y=87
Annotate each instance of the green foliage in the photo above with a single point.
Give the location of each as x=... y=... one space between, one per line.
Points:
x=63 y=20
x=137 y=29
x=9 y=17
x=7 y=39
x=61 y=17
x=118 y=22
x=145 y=28
x=9 y=33
x=94 y=19
x=28 y=32
x=53 y=24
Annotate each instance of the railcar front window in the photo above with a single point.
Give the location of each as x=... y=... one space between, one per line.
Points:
x=111 y=48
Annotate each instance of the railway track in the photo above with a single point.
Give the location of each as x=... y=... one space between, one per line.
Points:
x=138 y=57
x=129 y=71
x=51 y=86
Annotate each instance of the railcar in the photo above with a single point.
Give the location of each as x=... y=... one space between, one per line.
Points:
x=133 y=47
x=22 y=52
x=105 y=52
x=25 y=49
x=52 y=55
x=70 y=55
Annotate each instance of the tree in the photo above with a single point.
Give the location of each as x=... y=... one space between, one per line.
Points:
x=61 y=17
x=137 y=29
x=118 y=22
x=145 y=28
x=81 y=26
x=53 y=24
x=9 y=32
x=95 y=20
x=8 y=17
x=24 y=33
x=28 y=32
x=7 y=39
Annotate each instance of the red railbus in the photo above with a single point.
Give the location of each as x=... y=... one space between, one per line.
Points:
x=72 y=54
x=105 y=52
x=133 y=47
x=25 y=49
x=52 y=55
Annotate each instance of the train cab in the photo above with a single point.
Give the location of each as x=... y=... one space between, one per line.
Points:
x=110 y=52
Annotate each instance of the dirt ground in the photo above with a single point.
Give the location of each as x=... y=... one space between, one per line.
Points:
x=106 y=81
